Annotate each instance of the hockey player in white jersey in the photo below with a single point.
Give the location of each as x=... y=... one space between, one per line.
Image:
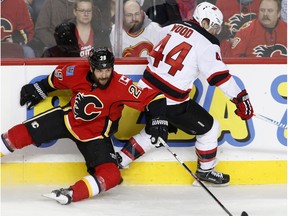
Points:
x=186 y=50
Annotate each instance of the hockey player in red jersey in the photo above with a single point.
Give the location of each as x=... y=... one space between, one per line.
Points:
x=90 y=119
x=186 y=50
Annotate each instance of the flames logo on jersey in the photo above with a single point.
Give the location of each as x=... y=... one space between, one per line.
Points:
x=240 y=21
x=87 y=107
x=6 y=29
x=277 y=50
x=137 y=50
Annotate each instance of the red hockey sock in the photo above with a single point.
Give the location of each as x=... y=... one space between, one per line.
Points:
x=108 y=175
x=19 y=136
x=80 y=191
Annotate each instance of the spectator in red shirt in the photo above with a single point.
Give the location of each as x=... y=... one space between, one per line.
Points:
x=89 y=31
x=265 y=36
x=16 y=25
x=238 y=12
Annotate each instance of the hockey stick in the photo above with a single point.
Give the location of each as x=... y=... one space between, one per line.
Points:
x=264 y=118
x=196 y=178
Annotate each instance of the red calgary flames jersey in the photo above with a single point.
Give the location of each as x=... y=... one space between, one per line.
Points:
x=15 y=16
x=95 y=112
x=254 y=40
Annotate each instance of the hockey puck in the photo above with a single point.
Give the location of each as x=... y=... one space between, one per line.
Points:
x=244 y=213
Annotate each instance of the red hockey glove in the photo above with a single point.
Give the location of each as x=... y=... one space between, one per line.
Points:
x=244 y=108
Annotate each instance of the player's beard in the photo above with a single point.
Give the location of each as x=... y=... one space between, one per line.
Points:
x=102 y=86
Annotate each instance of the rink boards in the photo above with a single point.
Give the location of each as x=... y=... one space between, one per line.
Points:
x=252 y=152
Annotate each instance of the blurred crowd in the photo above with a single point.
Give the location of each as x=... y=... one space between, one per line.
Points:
x=71 y=28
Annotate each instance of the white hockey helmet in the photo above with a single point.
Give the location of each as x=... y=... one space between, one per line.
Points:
x=206 y=10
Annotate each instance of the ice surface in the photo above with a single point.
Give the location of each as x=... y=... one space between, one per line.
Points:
x=262 y=200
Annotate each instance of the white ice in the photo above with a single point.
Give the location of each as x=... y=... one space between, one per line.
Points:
x=259 y=200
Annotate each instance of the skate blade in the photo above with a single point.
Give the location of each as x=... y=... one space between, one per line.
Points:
x=208 y=184
x=63 y=200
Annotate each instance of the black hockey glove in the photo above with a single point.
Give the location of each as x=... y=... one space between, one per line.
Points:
x=157 y=127
x=32 y=94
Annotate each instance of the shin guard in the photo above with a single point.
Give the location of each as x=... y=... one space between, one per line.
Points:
x=206 y=147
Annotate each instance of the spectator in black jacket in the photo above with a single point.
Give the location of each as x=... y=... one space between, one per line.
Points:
x=67 y=45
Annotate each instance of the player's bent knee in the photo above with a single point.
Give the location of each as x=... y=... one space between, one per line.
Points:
x=110 y=174
x=210 y=136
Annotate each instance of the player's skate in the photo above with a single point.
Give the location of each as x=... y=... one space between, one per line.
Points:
x=212 y=177
x=62 y=196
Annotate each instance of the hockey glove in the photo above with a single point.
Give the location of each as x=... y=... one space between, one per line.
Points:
x=32 y=94
x=244 y=108
x=158 y=127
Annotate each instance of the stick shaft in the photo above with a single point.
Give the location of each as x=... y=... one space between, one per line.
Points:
x=271 y=121
x=194 y=176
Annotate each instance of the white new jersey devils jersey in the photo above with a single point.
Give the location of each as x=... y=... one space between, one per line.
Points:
x=185 y=51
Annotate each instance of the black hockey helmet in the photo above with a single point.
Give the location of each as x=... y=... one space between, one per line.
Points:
x=101 y=58
x=64 y=34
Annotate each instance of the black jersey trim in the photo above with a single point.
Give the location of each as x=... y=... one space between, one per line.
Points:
x=218 y=78
x=162 y=86
x=199 y=29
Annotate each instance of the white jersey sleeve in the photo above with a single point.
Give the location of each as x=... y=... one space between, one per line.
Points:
x=211 y=65
x=181 y=55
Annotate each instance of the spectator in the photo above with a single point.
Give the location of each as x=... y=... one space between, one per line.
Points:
x=162 y=11
x=16 y=26
x=89 y=33
x=284 y=10
x=237 y=13
x=139 y=32
x=265 y=36
x=51 y=15
x=67 y=44
x=36 y=7
x=186 y=8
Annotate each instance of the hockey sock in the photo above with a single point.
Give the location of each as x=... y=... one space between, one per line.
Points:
x=206 y=159
x=107 y=176
x=132 y=149
x=19 y=136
